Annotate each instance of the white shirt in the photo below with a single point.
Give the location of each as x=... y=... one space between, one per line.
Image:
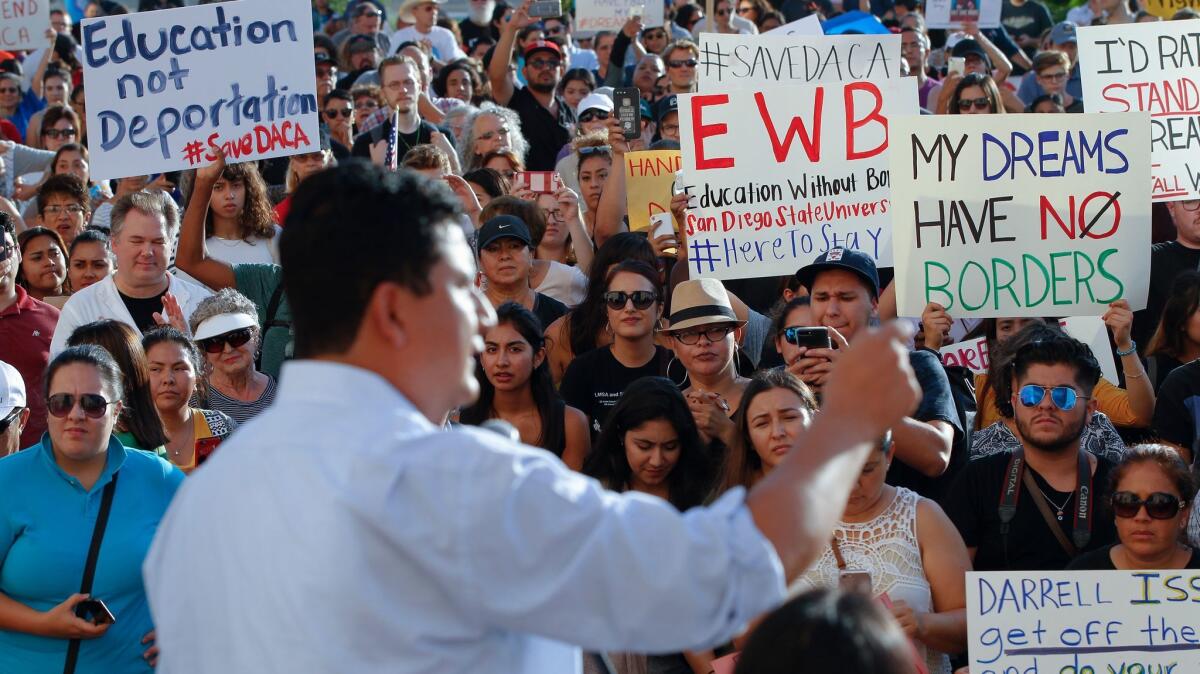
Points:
x=239 y=251
x=340 y=531
x=565 y=283
x=445 y=47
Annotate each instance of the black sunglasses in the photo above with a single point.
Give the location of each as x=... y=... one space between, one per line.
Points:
x=333 y=113
x=691 y=63
x=592 y=115
x=234 y=339
x=93 y=404
x=642 y=299
x=1159 y=505
x=10 y=420
x=981 y=103
x=59 y=133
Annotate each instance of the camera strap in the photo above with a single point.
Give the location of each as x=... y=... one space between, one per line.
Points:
x=89 y=568
x=1010 y=492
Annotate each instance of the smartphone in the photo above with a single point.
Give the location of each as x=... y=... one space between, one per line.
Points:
x=95 y=612
x=855 y=580
x=660 y=224
x=205 y=448
x=636 y=11
x=958 y=64
x=628 y=103
x=539 y=182
x=544 y=9
x=813 y=338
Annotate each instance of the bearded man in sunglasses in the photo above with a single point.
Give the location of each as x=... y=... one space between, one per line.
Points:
x=1039 y=506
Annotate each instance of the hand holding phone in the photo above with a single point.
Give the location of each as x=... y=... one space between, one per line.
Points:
x=628 y=105
x=958 y=64
x=544 y=9
x=94 y=611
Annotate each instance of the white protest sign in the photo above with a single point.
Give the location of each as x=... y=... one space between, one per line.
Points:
x=23 y=24
x=780 y=176
x=953 y=13
x=593 y=15
x=729 y=62
x=809 y=25
x=973 y=353
x=1083 y=622
x=1021 y=215
x=164 y=88
x=1153 y=67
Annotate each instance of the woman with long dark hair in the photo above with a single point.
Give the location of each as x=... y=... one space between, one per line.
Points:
x=1177 y=339
x=43 y=267
x=975 y=94
x=515 y=385
x=240 y=226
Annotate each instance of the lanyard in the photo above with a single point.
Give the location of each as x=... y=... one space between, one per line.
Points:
x=1010 y=493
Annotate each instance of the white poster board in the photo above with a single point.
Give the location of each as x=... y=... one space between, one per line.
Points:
x=1153 y=67
x=809 y=25
x=165 y=87
x=594 y=15
x=779 y=176
x=23 y=25
x=1083 y=622
x=729 y=62
x=973 y=353
x=1021 y=215
x=953 y=13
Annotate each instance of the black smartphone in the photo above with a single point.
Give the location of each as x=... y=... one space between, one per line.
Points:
x=544 y=9
x=95 y=612
x=628 y=104
x=813 y=338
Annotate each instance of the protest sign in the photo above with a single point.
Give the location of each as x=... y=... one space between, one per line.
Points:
x=165 y=88
x=778 y=177
x=809 y=25
x=1021 y=215
x=592 y=15
x=648 y=179
x=953 y=13
x=973 y=353
x=729 y=62
x=23 y=24
x=1167 y=8
x=1083 y=622
x=1153 y=67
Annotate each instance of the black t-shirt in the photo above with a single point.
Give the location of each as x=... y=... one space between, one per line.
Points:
x=1100 y=560
x=937 y=404
x=973 y=505
x=363 y=141
x=1177 y=410
x=595 y=380
x=1030 y=19
x=547 y=309
x=545 y=132
x=143 y=309
x=1167 y=261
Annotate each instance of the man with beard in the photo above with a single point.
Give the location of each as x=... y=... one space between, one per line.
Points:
x=479 y=21
x=400 y=77
x=1005 y=504
x=546 y=119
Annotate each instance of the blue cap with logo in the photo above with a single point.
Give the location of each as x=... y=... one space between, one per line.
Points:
x=503 y=227
x=842 y=258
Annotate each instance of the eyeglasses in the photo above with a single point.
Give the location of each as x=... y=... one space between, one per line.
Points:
x=1159 y=505
x=656 y=35
x=366 y=105
x=488 y=135
x=722 y=12
x=71 y=209
x=592 y=115
x=712 y=333
x=234 y=339
x=327 y=72
x=1063 y=397
x=556 y=30
x=1053 y=77
x=333 y=113
x=542 y=64
x=8 y=90
x=690 y=63
x=589 y=150
x=93 y=404
x=981 y=103
x=745 y=9
x=10 y=420
x=59 y=133
x=1189 y=204
x=642 y=299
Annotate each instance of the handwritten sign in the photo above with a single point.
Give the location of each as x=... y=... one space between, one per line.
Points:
x=953 y=13
x=1021 y=215
x=1083 y=622
x=23 y=24
x=165 y=88
x=648 y=179
x=973 y=354
x=780 y=176
x=1153 y=67
x=809 y=25
x=612 y=14
x=729 y=62
x=1167 y=8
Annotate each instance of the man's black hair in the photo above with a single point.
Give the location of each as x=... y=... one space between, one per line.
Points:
x=1049 y=346
x=350 y=229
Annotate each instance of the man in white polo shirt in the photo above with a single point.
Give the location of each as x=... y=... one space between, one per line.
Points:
x=423 y=15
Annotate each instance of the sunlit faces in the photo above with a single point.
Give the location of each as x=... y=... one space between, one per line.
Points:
x=1007 y=327
x=364 y=106
x=65 y=215
x=574 y=91
x=775 y=420
x=508 y=359
x=233 y=361
x=705 y=356
x=652 y=450
x=669 y=126
x=172 y=376
x=90 y=262
x=76 y=436
x=43 y=266
x=1142 y=535
x=974 y=100
x=841 y=300
x=506 y=261
x=801 y=316
x=492 y=134
x=681 y=68
x=305 y=165
x=142 y=249
x=55 y=89
x=629 y=322
x=228 y=198
x=593 y=172
x=400 y=86
x=1044 y=426
x=480 y=194
x=871 y=481
x=72 y=162
x=555 y=235
x=460 y=86
x=912 y=48
x=593 y=120
x=502 y=165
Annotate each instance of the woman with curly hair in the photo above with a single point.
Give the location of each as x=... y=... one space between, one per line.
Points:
x=240 y=226
x=459 y=80
x=492 y=129
x=226 y=330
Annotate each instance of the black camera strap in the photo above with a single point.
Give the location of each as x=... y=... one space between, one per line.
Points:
x=1010 y=493
x=89 y=568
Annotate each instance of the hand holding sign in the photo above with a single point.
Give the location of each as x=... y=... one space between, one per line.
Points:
x=1119 y=319
x=935 y=324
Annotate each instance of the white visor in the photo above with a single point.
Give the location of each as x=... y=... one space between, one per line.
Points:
x=223 y=323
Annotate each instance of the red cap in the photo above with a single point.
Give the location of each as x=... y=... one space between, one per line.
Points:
x=543 y=45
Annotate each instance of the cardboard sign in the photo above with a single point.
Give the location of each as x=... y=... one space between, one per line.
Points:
x=165 y=88
x=973 y=354
x=1153 y=67
x=1083 y=622
x=809 y=25
x=593 y=15
x=1167 y=8
x=23 y=25
x=730 y=62
x=648 y=179
x=1021 y=215
x=953 y=13
x=778 y=177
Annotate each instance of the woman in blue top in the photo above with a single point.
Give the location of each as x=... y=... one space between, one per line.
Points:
x=50 y=496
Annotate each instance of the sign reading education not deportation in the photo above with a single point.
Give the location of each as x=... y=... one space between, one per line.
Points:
x=729 y=62
x=1021 y=215
x=1083 y=622
x=165 y=89
x=1153 y=67
x=23 y=24
x=780 y=175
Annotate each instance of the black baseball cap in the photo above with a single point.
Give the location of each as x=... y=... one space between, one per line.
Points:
x=502 y=227
x=665 y=106
x=969 y=46
x=841 y=258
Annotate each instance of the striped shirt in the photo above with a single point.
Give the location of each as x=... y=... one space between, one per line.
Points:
x=242 y=411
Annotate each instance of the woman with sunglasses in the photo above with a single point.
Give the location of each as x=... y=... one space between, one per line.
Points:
x=368 y=98
x=594 y=381
x=49 y=496
x=300 y=168
x=225 y=327
x=754 y=10
x=43 y=267
x=975 y=94
x=492 y=129
x=1152 y=492
x=338 y=114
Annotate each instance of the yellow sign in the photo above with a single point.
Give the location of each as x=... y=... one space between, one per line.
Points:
x=649 y=177
x=1167 y=8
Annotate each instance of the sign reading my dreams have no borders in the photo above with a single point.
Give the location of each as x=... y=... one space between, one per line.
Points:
x=1021 y=215
x=164 y=88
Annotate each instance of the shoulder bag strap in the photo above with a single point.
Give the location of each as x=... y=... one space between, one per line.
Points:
x=1040 y=501
x=89 y=568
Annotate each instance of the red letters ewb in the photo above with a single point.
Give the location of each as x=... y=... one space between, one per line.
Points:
x=812 y=143
x=855 y=123
x=700 y=131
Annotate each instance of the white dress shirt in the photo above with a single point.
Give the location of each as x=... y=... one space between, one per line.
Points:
x=340 y=531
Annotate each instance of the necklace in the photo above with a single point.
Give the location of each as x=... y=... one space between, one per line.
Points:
x=1059 y=508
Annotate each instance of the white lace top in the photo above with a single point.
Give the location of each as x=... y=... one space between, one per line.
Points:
x=887 y=547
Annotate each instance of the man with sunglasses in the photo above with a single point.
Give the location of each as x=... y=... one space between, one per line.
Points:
x=546 y=119
x=559 y=28
x=1038 y=507
x=1168 y=260
x=13 y=412
x=26 y=328
x=681 y=58
x=365 y=18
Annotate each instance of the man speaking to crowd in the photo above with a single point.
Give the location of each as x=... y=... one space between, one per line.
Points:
x=344 y=530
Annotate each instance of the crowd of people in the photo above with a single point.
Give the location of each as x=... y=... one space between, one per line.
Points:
x=146 y=324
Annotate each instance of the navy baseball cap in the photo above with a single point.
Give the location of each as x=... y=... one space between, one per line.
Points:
x=503 y=227
x=665 y=106
x=841 y=258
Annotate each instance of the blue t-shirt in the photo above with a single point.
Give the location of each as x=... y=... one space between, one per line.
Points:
x=46 y=523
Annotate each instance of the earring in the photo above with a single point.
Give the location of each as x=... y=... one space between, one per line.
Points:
x=674 y=359
x=608 y=328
